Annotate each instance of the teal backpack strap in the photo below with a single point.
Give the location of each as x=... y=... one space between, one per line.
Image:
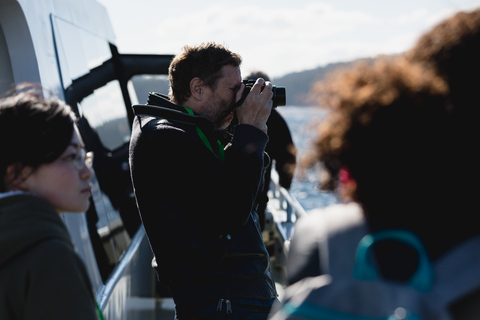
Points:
x=365 y=269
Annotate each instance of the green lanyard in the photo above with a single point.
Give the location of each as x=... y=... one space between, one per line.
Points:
x=205 y=140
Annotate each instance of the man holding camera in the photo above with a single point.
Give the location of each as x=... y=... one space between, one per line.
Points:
x=195 y=196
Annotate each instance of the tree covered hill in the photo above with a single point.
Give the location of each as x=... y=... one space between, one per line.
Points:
x=299 y=84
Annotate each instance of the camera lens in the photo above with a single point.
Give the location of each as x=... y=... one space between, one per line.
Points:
x=279 y=96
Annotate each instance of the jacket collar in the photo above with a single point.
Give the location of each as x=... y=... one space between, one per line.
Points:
x=159 y=106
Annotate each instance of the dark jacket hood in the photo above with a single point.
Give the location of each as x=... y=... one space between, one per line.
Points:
x=159 y=106
x=26 y=220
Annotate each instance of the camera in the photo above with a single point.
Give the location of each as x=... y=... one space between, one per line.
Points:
x=279 y=95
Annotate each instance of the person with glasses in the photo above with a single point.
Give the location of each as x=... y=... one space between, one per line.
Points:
x=45 y=171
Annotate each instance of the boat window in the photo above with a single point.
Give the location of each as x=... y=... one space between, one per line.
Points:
x=144 y=84
x=91 y=87
x=132 y=93
x=87 y=70
x=106 y=114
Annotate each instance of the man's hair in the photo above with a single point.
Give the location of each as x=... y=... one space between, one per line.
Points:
x=33 y=130
x=203 y=61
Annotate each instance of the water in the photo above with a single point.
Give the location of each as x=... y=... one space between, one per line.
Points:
x=301 y=121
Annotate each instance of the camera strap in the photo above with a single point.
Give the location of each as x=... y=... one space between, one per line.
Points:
x=205 y=140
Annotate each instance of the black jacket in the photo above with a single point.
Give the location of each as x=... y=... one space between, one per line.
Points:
x=197 y=209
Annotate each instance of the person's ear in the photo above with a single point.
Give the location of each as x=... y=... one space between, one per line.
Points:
x=197 y=88
x=16 y=176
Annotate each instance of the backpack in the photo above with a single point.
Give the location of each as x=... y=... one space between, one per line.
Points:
x=362 y=295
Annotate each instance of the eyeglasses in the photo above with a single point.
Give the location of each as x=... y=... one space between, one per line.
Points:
x=83 y=159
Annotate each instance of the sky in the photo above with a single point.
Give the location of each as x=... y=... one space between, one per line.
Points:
x=279 y=37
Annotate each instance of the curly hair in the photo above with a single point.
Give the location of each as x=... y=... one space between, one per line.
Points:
x=204 y=61
x=406 y=131
x=388 y=124
x=452 y=49
x=451 y=46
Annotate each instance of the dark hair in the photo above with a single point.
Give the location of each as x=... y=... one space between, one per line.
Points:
x=254 y=75
x=33 y=130
x=390 y=126
x=452 y=49
x=203 y=61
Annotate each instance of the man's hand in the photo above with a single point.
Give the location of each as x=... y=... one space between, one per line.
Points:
x=257 y=106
